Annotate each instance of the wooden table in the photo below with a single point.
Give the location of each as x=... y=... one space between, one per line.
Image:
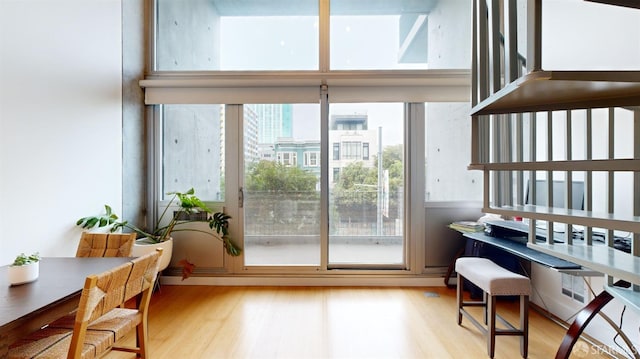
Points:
x=27 y=307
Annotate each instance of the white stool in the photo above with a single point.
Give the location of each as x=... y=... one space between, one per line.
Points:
x=494 y=281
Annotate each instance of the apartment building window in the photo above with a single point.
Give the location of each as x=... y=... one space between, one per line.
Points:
x=288 y=158
x=336 y=175
x=349 y=126
x=336 y=151
x=352 y=150
x=312 y=159
x=365 y=151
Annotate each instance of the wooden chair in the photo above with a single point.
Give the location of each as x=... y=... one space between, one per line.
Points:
x=105 y=244
x=100 y=321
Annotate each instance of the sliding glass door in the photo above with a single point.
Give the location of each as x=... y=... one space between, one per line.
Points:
x=282 y=197
x=366 y=185
x=281 y=193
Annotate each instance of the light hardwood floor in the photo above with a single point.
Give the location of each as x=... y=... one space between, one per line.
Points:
x=319 y=322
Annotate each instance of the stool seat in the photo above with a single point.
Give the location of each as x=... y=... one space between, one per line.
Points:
x=492 y=278
x=494 y=281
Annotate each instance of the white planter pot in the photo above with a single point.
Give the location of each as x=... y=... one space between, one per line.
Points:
x=23 y=274
x=142 y=247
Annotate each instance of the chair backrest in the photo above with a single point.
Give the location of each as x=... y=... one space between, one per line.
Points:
x=105 y=244
x=112 y=288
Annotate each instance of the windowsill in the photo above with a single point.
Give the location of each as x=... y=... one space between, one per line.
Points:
x=444 y=77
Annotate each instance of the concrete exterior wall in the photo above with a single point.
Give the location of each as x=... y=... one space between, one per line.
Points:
x=449 y=40
x=448 y=152
x=192 y=151
x=191 y=41
x=448 y=127
x=134 y=143
x=188 y=40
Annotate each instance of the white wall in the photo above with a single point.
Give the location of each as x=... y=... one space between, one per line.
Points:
x=60 y=120
x=582 y=35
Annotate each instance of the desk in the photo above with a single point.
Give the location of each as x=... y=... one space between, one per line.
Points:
x=517 y=248
x=521 y=250
x=26 y=308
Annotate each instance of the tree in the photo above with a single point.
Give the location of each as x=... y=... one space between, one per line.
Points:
x=270 y=176
x=357 y=185
x=356 y=192
x=280 y=198
x=392 y=161
x=357 y=179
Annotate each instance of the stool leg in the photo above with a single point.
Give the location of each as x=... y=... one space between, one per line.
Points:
x=491 y=326
x=485 y=295
x=524 y=325
x=459 y=297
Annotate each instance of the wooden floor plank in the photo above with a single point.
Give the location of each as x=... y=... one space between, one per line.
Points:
x=327 y=322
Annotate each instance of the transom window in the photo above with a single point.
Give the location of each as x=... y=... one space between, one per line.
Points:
x=254 y=35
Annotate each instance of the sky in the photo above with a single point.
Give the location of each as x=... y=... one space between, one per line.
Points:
x=292 y=43
x=306 y=119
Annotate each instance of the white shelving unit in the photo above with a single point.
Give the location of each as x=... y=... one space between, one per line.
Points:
x=563 y=90
x=508 y=96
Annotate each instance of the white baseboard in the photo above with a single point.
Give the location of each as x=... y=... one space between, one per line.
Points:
x=381 y=281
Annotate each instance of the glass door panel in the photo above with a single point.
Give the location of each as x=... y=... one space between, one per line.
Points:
x=366 y=195
x=281 y=184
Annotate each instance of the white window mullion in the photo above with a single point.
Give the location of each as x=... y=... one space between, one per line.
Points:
x=234 y=175
x=324 y=36
x=415 y=186
x=324 y=179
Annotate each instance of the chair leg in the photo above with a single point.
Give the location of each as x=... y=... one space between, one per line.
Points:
x=156 y=284
x=524 y=325
x=141 y=340
x=459 y=297
x=491 y=326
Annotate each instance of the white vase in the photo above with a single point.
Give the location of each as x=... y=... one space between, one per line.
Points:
x=24 y=273
x=143 y=246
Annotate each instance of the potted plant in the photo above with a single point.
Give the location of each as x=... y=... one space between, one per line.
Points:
x=24 y=269
x=190 y=209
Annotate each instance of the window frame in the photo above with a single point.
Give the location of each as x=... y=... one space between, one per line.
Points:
x=412 y=87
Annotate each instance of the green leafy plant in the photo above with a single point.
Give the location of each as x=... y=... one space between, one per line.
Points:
x=22 y=259
x=190 y=209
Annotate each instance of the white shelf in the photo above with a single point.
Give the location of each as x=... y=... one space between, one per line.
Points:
x=627 y=3
x=563 y=90
x=574 y=216
x=600 y=258
x=618 y=165
x=626 y=296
